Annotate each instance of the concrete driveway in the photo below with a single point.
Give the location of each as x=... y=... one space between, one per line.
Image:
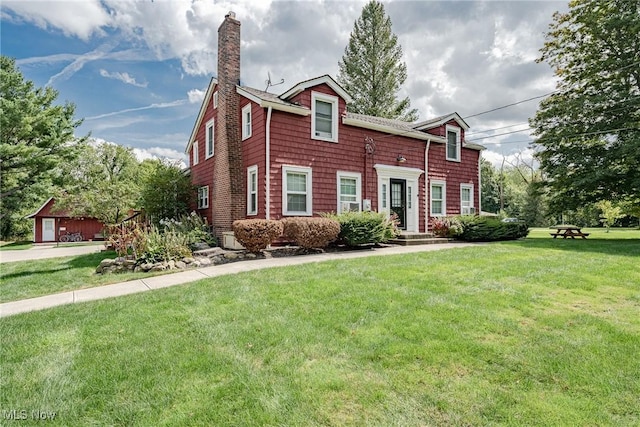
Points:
x=41 y=252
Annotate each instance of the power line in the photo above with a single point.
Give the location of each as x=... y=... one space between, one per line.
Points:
x=510 y=105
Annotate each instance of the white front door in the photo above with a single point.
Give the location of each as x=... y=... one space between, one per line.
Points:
x=48 y=229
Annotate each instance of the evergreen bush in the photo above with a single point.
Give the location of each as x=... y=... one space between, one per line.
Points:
x=256 y=234
x=361 y=228
x=311 y=232
x=487 y=229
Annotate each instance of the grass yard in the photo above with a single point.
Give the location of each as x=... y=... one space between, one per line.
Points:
x=533 y=332
x=29 y=279
x=15 y=246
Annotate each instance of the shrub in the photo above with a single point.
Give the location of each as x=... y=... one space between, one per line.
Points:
x=193 y=226
x=311 y=232
x=165 y=246
x=360 y=228
x=446 y=226
x=256 y=234
x=127 y=239
x=486 y=229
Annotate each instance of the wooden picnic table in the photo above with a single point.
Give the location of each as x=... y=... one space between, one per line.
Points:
x=568 y=231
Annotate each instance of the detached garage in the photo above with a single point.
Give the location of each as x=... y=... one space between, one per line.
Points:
x=50 y=225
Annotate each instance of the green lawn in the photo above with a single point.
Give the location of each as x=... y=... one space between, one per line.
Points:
x=28 y=279
x=15 y=246
x=533 y=332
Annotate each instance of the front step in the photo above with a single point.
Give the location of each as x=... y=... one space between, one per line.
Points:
x=411 y=239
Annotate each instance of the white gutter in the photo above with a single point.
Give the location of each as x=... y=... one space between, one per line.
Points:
x=267 y=192
x=479 y=183
x=426 y=186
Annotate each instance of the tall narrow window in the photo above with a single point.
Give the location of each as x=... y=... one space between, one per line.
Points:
x=324 y=117
x=194 y=154
x=466 y=199
x=349 y=193
x=296 y=191
x=453 y=143
x=252 y=190
x=203 y=197
x=210 y=132
x=246 y=122
x=438 y=198
x=215 y=99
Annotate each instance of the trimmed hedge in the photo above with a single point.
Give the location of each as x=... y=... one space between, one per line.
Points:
x=256 y=234
x=361 y=228
x=487 y=229
x=311 y=232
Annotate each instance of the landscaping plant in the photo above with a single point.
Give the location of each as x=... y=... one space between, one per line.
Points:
x=487 y=229
x=362 y=228
x=256 y=234
x=311 y=232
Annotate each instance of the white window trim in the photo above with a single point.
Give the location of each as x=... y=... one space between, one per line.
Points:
x=212 y=142
x=252 y=170
x=194 y=154
x=433 y=183
x=246 y=109
x=471 y=204
x=317 y=96
x=204 y=189
x=358 y=178
x=457 y=131
x=215 y=99
x=297 y=169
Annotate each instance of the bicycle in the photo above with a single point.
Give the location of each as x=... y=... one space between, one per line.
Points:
x=71 y=237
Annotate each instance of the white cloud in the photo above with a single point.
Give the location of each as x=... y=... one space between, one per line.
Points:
x=81 y=19
x=196 y=95
x=123 y=77
x=146 y=107
x=79 y=62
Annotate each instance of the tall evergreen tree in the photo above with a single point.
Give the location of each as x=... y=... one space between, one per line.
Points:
x=371 y=70
x=36 y=138
x=589 y=129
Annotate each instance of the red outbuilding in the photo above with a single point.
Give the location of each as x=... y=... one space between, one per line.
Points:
x=51 y=225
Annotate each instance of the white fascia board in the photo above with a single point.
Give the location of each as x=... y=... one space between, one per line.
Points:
x=445 y=119
x=474 y=146
x=203 y=107
x=301 y=111
x=391 y=130
x=315 y=82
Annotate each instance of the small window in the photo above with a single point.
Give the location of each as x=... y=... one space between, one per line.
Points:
x=194 y=154
x=466 y=199
x=203 y=197
x=349 y=194
x=252 y=190
x=296 y=191
x=438 y=198
x=324 y=117
x=246 y=122
x=215 y=99
x=210 y=132
x=453 y=143
x=384 y=196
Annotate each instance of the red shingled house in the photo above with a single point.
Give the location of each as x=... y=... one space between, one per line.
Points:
x=254 y=154
x=49 y=224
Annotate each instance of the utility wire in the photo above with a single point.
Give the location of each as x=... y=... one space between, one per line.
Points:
x=510 y=105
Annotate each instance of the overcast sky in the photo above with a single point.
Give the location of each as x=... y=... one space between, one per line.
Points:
x=137 y=70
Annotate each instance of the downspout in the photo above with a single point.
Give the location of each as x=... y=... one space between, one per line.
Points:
x=267 y=192
x=426 y=186
x=479 y=184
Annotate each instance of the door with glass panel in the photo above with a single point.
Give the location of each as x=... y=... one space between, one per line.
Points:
x=398 y=201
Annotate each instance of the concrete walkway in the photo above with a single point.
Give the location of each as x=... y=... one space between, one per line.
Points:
x=48 y=251
x=158 y=282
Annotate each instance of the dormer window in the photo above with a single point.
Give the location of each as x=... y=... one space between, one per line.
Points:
x=324 y=117
x=453 y=143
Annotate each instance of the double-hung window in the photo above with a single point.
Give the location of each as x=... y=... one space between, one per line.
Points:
x=194 y=153
x=252 y=190
x=324 y=117
x=466 y=199
x=203 y=197
x=296 y=191
x=453 y=143
x=438 y=198
x=246 y=121
x=349 y=194
x=210 y=137
x=215 y=99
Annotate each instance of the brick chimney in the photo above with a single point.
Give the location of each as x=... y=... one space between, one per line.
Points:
x=228 y=198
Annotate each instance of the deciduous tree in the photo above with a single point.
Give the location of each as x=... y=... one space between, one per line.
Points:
x=588 y=131
x=371 y=69
x=36 y=137
x=166 y=191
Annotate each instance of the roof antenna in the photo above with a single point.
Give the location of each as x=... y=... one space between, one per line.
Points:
x=269 y=84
